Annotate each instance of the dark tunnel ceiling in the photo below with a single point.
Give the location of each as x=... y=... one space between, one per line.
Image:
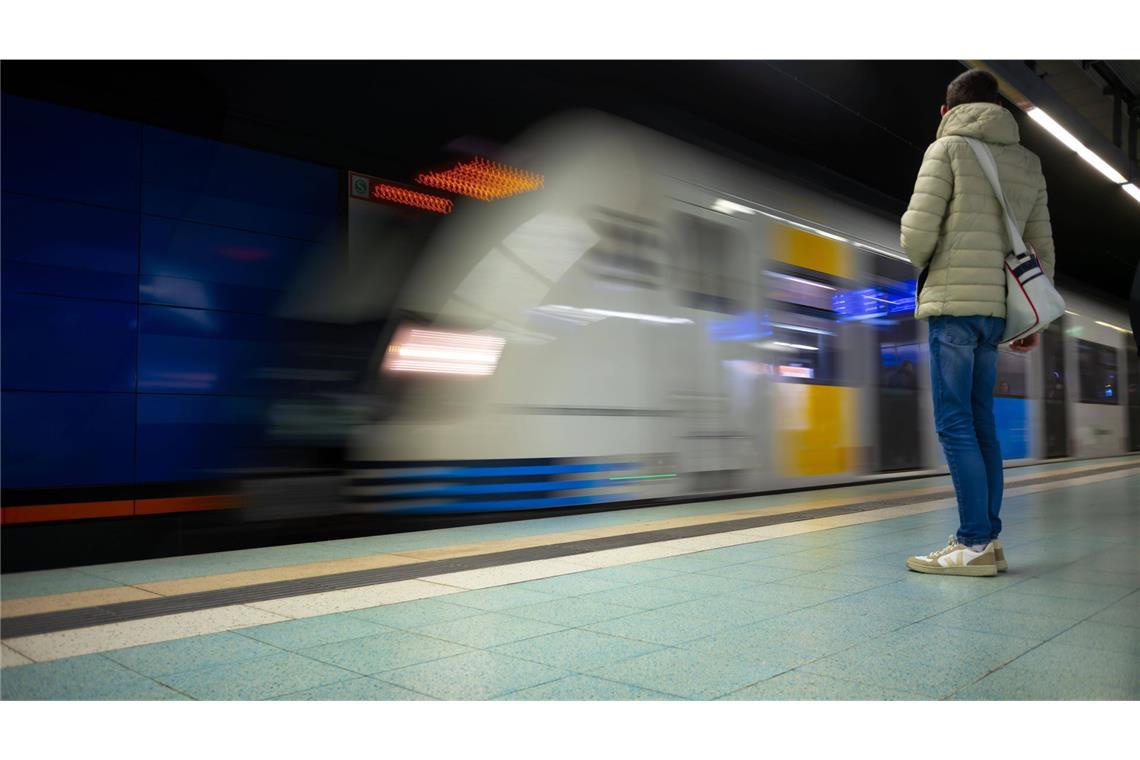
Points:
x=858 y=127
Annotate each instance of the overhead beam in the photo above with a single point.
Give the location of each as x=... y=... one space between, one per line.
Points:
x=1019 y=84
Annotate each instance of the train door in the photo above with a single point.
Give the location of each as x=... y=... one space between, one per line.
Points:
x=814 y=402
x=901 y=362
x=712 y=279
x=1055 y=394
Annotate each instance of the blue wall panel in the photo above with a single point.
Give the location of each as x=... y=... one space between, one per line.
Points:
x=68 y=154
x=202 y=266
x=197 y=351
x=68 y=439
x=68 y=344
x=1012 y=416
x=205 y=181
x=69 y=249
x=101 y=214
x=196 y=437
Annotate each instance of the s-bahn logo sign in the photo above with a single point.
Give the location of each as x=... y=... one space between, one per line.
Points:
x=381 y=191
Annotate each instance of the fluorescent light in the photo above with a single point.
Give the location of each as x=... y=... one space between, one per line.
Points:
x=807 y=227
x=1132 y=190
x=1062 y=134
x=1072 y=313
x=800 y=328
x=728 y=207
x=603 y=313
x=800 y=280
x=1111 y=326
x=781 y=345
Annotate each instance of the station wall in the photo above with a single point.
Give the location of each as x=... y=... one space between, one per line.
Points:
x=140 y=272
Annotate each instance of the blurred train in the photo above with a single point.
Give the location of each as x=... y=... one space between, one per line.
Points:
x=659 y=322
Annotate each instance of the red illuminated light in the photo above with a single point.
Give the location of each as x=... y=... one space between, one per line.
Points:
x=375 y=190
x=483 y=179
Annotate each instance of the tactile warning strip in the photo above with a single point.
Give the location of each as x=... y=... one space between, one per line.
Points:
x=64 y=620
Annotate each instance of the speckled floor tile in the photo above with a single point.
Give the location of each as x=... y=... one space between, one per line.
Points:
x=576 y=650
x=1035 y=604
x=1096 y=592
x=931 y=677
x=660 y=627
x=692 y=675
x=1111 y=638
x=932 y=641
x=750 y=571
x=86 y=677
x=792 y=596
x=572 y=612
x=1080 y=665
x=386 y=651
x=477 y=675
x=191 y=654
x=43 y=582
x=263 y=678
x=1119 y=614
x=355 y=690
x=487 y=630
x=797 y=685
x=629 y=574
x=579 y=688
x=10 y=657
x=1005 y=622
x=643 y=597
x=700 y=583
x=688 y=563
x=501 y=598
x=310 y=632
x=152 y=692
x=736 y=610
x=1022 y=684
x=413 y=614
x=835 y=580
x=575 y=584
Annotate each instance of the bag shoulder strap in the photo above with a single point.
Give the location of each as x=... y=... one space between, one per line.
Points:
x=989 y=168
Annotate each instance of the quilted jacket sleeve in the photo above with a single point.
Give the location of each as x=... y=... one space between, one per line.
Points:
x=1039 y=231
x=922 y=222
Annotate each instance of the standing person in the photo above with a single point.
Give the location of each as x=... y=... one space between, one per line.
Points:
x=954 y=229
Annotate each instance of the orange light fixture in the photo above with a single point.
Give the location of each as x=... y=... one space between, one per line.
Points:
x=483 y=179
x=394 y=194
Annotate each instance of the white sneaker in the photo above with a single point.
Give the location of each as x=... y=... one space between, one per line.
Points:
x=999 y=556
x=956 y=559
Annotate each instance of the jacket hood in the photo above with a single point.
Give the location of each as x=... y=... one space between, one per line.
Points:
x=987 y=122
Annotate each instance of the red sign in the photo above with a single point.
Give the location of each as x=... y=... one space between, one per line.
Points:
x=372 y=189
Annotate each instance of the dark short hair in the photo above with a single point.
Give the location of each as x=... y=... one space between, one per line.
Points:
x=974 y=86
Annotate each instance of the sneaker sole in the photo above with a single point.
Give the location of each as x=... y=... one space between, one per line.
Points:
x=970 y=570
x=1002 y=565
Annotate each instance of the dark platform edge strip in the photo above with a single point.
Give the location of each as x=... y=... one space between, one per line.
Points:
x=65 y=620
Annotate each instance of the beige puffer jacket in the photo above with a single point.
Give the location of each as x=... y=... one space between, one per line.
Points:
x=954 y=222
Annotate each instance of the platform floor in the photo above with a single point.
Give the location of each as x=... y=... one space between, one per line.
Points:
x=804 y=608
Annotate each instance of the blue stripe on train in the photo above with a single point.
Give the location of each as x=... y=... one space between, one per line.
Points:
x=514 y=504
x=473 y=490
x=484 y=472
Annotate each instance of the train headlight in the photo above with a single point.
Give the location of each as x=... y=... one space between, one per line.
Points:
x=417 y=349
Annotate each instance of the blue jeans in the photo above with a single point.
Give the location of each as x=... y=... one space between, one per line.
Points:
x=963 y=368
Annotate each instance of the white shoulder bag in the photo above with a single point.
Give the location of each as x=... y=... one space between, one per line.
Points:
x=1031 y=301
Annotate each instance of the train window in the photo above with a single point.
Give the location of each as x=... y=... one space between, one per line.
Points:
x=803 y=349
x=709 y=262
x=1098 y=373
x=1012 y=371
x=628 y=251
x=800 y=290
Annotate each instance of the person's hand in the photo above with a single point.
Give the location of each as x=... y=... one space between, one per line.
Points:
x=1025 y=345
